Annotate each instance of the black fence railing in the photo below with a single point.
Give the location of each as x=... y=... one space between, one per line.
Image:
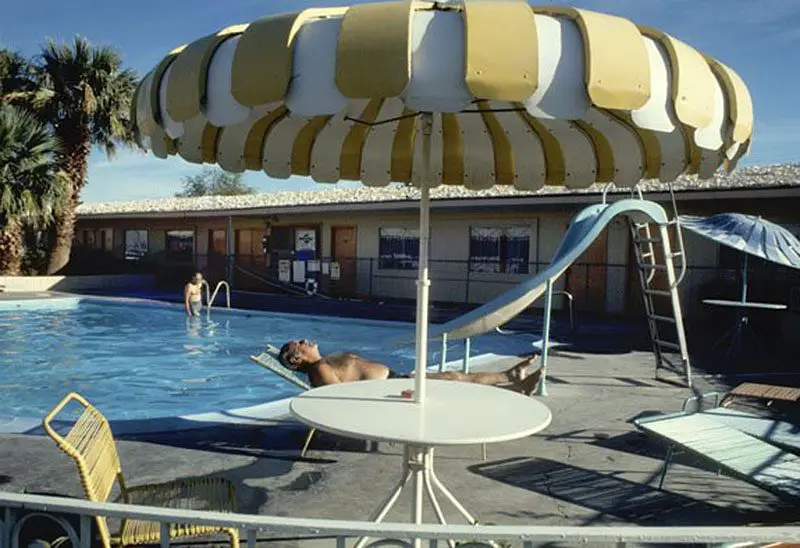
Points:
x=596 y=287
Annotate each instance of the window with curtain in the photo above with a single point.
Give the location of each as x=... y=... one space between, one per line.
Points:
x=499 y=250
x=398 y=249
x=180 y=245
x=135 y=244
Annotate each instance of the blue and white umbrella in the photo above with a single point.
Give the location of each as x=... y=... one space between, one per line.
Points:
x=749 y=234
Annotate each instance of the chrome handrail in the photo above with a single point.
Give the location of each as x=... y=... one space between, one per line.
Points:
x=216 y=290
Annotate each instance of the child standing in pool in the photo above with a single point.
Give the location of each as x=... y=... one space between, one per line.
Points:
x=193 y=295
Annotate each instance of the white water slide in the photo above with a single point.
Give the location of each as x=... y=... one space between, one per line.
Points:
x=584 y=229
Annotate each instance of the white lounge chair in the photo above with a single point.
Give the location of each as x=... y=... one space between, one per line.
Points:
x=739 y=454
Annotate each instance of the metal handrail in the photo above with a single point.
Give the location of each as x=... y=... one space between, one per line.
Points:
x=477 y=535
x=204 y=283
x=679 y=237
x=216 y=290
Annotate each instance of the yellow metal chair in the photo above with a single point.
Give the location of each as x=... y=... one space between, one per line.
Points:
x=91 y=445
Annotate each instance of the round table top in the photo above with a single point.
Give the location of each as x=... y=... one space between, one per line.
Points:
x=454 y=413
x=745 y=304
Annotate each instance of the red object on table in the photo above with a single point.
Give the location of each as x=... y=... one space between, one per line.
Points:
x=407 y=394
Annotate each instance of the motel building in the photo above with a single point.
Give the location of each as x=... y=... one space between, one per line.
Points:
x=364 y=243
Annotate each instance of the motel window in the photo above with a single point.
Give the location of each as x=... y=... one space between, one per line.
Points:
x=180 y=245
x=499 y=250
x=398 y=249
x=135 y=244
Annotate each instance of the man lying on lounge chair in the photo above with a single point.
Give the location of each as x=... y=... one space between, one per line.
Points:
x=303 y=355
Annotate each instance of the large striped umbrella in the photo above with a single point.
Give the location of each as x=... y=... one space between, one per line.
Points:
x=474 y=93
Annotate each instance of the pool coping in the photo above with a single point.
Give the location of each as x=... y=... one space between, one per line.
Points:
x=267 y=414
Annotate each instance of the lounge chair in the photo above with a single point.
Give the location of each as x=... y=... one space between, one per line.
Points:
x=780 y=433
x=783 y=434
x=270 y=361
x=738 y=454
x=90 y=444
x=767 y=392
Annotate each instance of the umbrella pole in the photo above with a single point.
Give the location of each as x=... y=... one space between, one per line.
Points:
x=423 y=283
x=744 y=280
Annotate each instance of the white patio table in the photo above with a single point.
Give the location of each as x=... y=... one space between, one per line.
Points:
x=453 y=413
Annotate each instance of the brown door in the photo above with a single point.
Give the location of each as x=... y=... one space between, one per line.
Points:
x=586 y=278
x=344 y=252
x=217 y=250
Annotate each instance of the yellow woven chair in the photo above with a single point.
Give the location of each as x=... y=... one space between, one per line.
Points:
x=91 y=445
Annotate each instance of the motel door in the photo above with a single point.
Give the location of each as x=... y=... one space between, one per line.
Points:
x=344 y=252
x=586 y=278
x=217 y=250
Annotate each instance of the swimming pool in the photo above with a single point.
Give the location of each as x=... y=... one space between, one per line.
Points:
x=144 y=360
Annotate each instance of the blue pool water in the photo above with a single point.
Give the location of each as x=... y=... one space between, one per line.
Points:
x=139 y=361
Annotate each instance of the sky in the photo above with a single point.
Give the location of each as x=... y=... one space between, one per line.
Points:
x=758 y=39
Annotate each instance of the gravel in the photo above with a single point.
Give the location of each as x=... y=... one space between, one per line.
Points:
x=773 y=176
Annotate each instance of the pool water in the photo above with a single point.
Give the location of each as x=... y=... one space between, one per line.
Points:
x=137 y=360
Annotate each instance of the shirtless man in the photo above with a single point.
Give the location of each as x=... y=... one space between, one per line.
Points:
x=303 y=355
x=193 y=295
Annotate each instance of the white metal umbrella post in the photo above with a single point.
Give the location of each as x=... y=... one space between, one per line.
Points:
x=423 y=281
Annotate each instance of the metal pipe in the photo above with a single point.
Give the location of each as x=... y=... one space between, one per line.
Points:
x=548 y=305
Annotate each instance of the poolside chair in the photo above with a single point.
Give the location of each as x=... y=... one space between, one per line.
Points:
x=767 y=392
x=777 y=432
x=90 y=444
x=738 y=454
x=269 y=360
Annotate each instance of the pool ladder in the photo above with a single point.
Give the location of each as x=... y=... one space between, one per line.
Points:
x=211 y=297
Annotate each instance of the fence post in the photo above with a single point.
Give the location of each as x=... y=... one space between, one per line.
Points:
x=370 y=276
x=466 y=297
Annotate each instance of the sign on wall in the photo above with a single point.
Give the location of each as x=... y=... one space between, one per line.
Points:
x=299 y=272
x=336 y=271
x=285 y=271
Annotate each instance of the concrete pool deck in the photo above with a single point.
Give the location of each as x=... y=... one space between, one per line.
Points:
x=589 y=467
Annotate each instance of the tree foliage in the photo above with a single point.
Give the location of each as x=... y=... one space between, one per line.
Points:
x=84 y=93
x=31 y=190
x=214 y=182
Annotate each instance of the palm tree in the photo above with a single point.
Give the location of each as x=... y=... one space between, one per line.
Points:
x=85 y=96
x=31 y=191
x=14 y=80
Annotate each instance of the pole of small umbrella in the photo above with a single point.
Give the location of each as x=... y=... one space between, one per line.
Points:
x=423 y=283
x=744 y=280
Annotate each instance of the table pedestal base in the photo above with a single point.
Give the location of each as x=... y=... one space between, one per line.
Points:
x=418 y=466
x=734 y=338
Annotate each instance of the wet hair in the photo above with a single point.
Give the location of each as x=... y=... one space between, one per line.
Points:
x=285 y=354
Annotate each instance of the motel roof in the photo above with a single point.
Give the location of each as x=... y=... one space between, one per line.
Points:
x=769 y=181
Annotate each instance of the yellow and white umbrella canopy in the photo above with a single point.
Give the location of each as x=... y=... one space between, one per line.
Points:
x=472 y=92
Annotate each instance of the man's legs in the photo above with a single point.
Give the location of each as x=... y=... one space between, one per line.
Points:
x=521 y=375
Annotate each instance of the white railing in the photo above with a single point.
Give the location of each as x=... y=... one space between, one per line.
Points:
x=211 y=297
x=17 y=506
x=220 y=285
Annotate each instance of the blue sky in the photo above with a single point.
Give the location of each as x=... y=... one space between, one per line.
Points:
x=759 y=39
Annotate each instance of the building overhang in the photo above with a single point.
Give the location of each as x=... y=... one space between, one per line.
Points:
x=563 y=202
